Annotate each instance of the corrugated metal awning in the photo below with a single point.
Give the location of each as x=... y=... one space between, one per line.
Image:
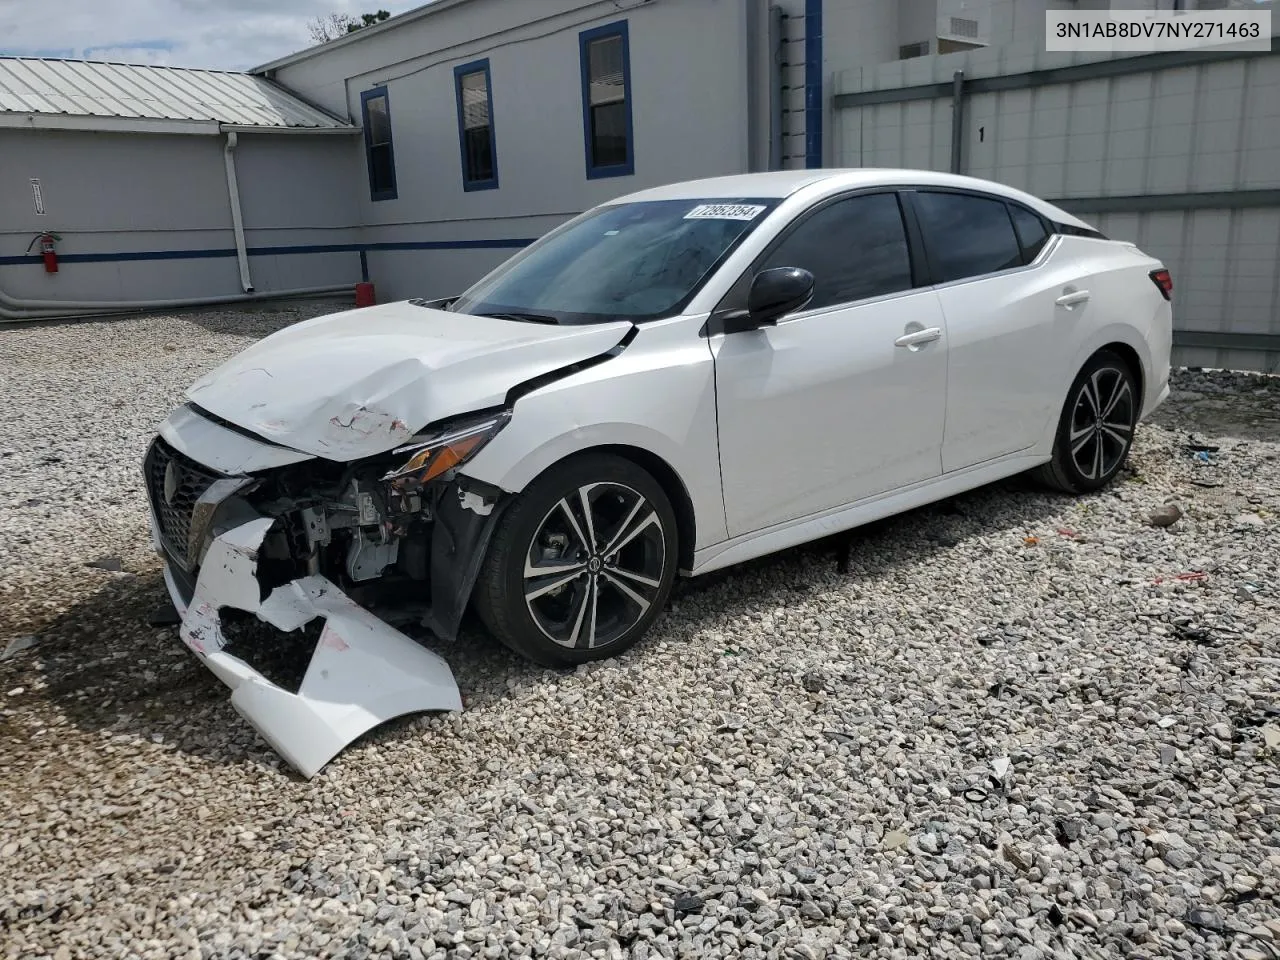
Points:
x=95 y=95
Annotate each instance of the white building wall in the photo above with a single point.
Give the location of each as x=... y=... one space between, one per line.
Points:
x=148 y=217
x=690 y=115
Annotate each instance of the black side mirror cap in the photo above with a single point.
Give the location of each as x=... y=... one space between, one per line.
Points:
x=776 y=292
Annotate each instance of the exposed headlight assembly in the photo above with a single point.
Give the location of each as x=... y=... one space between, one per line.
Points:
x=434 y=456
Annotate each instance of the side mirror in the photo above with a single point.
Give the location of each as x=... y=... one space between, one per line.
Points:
x=777 y=292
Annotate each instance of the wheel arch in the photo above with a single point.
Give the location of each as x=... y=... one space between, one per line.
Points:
x=1131 y=358
x=1119 y=339
x=667 y=478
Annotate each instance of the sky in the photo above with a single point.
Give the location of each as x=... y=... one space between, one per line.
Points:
x=214 y=34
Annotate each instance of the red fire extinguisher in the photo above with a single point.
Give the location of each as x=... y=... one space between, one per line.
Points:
x=47 y=250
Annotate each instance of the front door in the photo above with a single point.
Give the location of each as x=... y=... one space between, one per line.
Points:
x=845 y=399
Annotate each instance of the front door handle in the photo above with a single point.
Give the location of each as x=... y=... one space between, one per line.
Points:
x=1071 y=299
x=915 y=339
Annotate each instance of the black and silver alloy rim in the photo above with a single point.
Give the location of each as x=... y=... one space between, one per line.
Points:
x=595 y=565
x=1102 y=423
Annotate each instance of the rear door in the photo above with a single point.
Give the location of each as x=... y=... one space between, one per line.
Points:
x=1010 y=310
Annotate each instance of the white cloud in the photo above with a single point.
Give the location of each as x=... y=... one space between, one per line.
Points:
x=217 y=34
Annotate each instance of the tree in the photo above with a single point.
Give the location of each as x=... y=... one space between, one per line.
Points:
x=335 y=25
x=330 y=27
x=368 y=20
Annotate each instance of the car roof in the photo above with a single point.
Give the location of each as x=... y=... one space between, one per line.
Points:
x=779 y=184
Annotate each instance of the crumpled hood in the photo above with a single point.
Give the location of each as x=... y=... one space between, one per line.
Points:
x=360 y=382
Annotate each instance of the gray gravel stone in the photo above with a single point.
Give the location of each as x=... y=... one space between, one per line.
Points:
x=808 y=753
x=1165 y=515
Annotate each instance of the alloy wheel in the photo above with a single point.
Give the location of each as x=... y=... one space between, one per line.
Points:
x=595 y=565
x=1102 y=423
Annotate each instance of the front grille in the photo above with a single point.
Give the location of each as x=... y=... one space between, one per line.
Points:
x=188 y=482
x=182 y=579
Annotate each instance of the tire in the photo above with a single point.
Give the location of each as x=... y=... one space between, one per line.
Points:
x=1105 y=385
x=590 y=603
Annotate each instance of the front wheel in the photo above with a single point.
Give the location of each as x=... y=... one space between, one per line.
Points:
x=1096 y=428
x=581 y=564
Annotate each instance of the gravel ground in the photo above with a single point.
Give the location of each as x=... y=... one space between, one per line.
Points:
x=1019 y=725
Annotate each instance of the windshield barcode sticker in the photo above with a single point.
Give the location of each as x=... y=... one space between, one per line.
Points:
x=724 y=211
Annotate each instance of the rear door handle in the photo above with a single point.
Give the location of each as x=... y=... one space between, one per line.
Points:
x=1071 y=299
x=914 y=340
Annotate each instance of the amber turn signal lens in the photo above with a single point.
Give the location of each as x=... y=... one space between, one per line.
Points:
x=443 y=459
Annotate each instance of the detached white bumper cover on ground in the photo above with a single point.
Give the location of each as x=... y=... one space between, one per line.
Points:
x=362 y=673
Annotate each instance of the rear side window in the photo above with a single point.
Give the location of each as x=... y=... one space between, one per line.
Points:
x=1032 y=234
x=968 y=236
x=855 y=248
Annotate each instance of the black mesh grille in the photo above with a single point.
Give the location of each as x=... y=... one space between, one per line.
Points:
x=173 y=513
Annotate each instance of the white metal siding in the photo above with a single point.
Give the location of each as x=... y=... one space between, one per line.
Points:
x=1208 y=128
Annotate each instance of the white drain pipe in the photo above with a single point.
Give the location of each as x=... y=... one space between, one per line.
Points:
x=237 y=221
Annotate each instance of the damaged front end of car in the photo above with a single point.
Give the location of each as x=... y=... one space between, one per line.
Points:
x=273 y=557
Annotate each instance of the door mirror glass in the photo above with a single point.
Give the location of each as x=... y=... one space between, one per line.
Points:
x=777 y=292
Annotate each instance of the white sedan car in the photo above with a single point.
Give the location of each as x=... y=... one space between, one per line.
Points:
x=673 y=382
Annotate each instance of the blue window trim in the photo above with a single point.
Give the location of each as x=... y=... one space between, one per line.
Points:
x=813 y=95
x=365 y=97
x=618 y=29
x=475 y=66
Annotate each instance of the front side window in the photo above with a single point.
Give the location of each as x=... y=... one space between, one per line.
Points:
x=633 y=261
x=855 y=248
x=606 y=100
x=377 y=144
x=475 y=126
x=967 y=236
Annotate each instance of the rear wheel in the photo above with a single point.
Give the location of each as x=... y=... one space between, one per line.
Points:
x=581 y=564
x=1095 y=431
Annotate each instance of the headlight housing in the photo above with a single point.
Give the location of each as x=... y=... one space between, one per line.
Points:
x=434 y=456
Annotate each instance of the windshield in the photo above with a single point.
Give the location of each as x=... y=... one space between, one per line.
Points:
x=633 y=261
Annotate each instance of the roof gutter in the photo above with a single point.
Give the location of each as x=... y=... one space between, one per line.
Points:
x=83 y=122
x=93 y=124
x=345 y=130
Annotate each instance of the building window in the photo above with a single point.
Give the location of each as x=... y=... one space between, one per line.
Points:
x=475 y=126
x=377 y=144
x=910 y=51
x=606 y=101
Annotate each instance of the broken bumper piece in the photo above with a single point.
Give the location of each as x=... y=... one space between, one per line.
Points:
x=362 y=672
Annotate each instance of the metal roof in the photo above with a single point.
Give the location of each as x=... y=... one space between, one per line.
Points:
x=84 y=94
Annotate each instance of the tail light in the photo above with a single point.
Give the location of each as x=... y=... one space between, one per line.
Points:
x=1163 y=280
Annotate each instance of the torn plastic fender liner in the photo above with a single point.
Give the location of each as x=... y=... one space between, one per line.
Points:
x=362 y=672
x=464 y=524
